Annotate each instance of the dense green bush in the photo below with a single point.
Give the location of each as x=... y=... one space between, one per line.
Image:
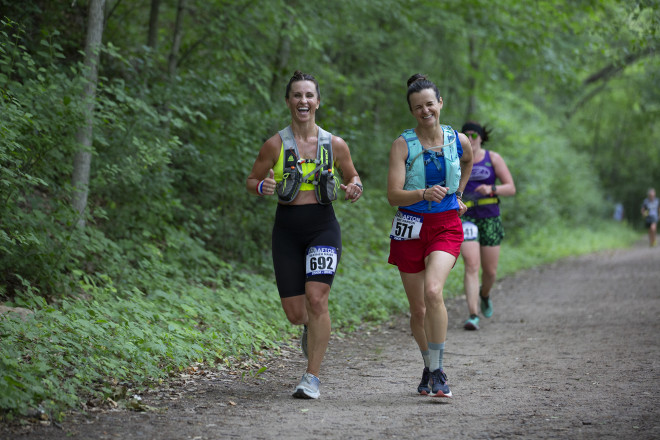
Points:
x=39 y=116
x=76 y=348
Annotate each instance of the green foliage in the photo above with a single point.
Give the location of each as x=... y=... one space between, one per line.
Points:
x=552 y=181
x=618 y=109
x=36 y=145
x=75 y=348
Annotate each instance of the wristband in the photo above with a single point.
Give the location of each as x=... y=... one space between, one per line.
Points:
x=424 y=194
x=359 y=185
x=259 y=188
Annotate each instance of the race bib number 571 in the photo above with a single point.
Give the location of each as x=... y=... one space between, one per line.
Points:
x=406 y=226
x=321 y=260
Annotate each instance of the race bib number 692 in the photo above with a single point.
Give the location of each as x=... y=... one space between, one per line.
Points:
x=321 y=260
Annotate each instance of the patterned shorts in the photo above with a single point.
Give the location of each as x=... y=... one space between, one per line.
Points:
x=491 y=231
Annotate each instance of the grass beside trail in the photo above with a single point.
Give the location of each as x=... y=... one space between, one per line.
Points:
x=110 y=342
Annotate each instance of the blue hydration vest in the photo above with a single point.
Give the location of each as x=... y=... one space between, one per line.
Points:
x=415 y=170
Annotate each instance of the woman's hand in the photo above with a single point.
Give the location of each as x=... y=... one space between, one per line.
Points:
x=462 y=209
x=353 y=191
x=267 y=186
x=435 y=193
x=484 y=189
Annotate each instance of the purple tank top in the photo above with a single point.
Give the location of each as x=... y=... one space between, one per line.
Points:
x=482 y=173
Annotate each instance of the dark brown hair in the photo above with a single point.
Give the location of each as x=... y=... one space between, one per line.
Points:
x=419 y=82
x=299 y=76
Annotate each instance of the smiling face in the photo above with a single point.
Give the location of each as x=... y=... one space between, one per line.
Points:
x=425 y=107
x=303 y=100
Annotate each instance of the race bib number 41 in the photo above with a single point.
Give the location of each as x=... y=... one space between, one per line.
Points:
x=321 y=260
x=406 y=226
x=470 y=231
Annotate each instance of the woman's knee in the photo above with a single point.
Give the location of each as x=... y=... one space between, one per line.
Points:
x=435 y=301
x=296 y=317
x=294 y=309
x=317 y=300
x=417 y=312
x=471 y=262
x=472 y=267
x=433 y=295
x=489 y=271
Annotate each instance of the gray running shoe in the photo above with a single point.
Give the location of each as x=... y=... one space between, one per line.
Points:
x=439 y=385
x=303 y=341
x=308 y=388
x=424 y=389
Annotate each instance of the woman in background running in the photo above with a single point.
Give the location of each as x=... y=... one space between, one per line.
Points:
x=482 y=223
x=650 y=212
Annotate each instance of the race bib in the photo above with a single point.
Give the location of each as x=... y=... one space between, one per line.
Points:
x=470 y=231
x=406 y=226
x=321 y=260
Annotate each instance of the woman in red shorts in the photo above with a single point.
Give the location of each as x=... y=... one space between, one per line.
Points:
x=428 y=170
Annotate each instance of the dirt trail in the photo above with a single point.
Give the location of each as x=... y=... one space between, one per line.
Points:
x=572 y=352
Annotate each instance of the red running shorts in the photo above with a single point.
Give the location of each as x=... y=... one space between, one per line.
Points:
x=442 y=231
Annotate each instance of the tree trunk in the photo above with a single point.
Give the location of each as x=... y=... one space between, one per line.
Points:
x=152 y=39
x=83 y=158
x=281 y=61
x=471 y=109
x=178 y=35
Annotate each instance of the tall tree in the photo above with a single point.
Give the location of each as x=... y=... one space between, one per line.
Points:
x=83 y=158
x=152 y=38
x=471 y=109
x=178 y=36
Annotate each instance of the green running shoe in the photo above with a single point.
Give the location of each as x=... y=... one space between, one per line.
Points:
x=472 y=323
x=486 y=306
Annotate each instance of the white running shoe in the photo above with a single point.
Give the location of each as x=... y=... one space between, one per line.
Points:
x=308 y=388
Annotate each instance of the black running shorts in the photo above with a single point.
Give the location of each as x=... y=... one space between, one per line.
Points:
x=306 y=246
